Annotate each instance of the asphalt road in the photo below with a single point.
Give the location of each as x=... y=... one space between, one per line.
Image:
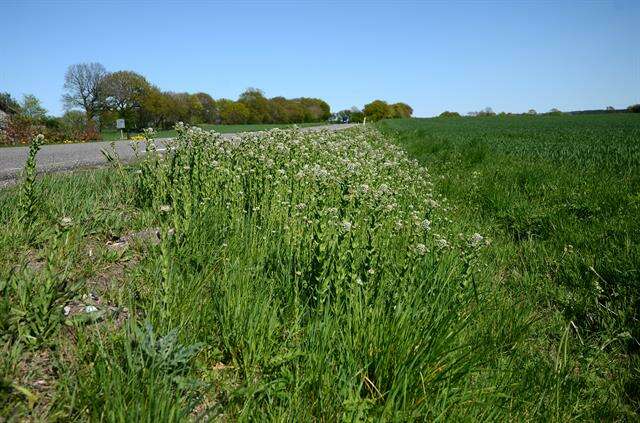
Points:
x=66 y=157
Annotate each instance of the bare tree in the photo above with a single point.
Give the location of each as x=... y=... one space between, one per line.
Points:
x=82 y=84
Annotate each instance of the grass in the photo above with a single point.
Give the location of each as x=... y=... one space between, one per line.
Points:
x=329 y=276
x=114 y=135
x=558 y=196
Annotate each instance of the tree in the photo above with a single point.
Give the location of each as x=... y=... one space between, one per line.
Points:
x=401 y=110
x=156 y=109
x=258 y=105
x=634 y=108
x=208 y=108
x=124 y=92
x=82 y=84
x=183 y=107
x=295 y=111
x=611 y=109
x=32 y=109
x=447 y=114
x=532 y=112
x=279 y=107
x=233 y=112
x=72 y=124
x=8 y=104
x=314 y=109
x=356 y=117
x=487 y=111
x=377 y=110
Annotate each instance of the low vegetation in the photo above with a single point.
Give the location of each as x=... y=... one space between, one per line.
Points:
x=110 y=135
x=299 y=276
x=558 y=196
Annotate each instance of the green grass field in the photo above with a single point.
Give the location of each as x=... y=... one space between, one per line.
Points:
x=479 y=269
x=560 y=198
x=114 y=135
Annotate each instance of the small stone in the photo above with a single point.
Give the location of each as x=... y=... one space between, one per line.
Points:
x=66 y=310
x=90 y=309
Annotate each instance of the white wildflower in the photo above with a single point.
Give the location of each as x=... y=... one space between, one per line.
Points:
x=476 y=240
x=442 y=243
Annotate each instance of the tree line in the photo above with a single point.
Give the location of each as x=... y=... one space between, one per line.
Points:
x=95 y=98
x=374 y=111
x=106 y=96
x=488 y=111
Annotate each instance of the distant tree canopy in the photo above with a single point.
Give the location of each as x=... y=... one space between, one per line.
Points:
x=356 y=115
x=208 y=111
x=102 y=97
x=447 y=114
x=234 y=112
x=32 y=109
x=379 y=109
x=635 y=108
x=125 y=92
x=130 y=96
x=82 y=83
x=374 y=111
x=108 y=96
x=8 y=104
x=401 y=110
x=487 y=111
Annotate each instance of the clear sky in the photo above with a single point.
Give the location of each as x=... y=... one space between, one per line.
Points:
x=463 y=56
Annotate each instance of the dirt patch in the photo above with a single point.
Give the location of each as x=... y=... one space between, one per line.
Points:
x=35 y=263
x=36 y=381
x=95 y=306
x=150 y=236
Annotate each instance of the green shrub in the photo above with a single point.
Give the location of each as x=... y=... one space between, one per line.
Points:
x=447 y=114
x=377 y=110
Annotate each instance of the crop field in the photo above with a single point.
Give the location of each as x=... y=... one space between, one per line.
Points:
x=559 y=196
x=478 y=269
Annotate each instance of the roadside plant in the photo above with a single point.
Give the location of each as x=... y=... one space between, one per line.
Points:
x=29 y=189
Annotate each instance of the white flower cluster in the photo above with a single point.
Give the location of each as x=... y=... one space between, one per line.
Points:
x=352 y=193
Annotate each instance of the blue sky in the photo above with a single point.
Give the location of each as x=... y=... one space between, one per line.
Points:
x=459 y=56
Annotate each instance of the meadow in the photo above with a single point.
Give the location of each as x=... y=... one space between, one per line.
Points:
x=437 y=269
